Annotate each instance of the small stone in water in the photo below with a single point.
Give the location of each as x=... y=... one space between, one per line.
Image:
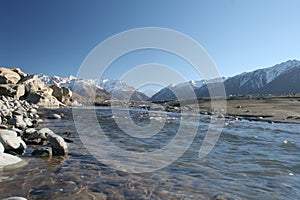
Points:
x=15 y=198
x=54 y=116
x=42 y=152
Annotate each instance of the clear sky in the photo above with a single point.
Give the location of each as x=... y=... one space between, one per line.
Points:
x=54 y=36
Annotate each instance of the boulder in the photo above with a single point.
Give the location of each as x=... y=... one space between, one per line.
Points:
x=19 y=131
x=59 y=146
x=1 y=148
x=42 y=133
x=12 y=90
x=63 y=94
x=17 y=112
x=3 y=106
x=12 y=143
x=8 y=76
x=34 y=85
x=21 y=74
x=7 y=160
x=17 y=121
x=8 y=132
x=28 y=122
x=6 y=113
x=2 y=126
x=37 y=92
x=43 y=100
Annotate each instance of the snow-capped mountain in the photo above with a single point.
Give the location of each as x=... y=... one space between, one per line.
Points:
x=182 y=90
x=261 y=80
x=254 y=82
x=105 y=88
x=283 y=78
x=111 y=85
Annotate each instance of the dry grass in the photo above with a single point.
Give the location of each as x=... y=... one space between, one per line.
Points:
x=285 y=109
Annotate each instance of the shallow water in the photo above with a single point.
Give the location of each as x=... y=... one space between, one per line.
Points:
x=251 y=160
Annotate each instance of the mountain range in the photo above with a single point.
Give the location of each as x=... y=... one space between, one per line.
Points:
x=100 y=89
x=283 y=78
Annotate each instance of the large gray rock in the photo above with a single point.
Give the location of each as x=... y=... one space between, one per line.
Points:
x=43 y=100
x=63 y=94
x=59 y=146
x=42 y=134
x=18 y=122
x=10 y=162
x=8 y=76
x=12 y=143
x=33 y=85
x=2 y=106
x=6 y=113
x=7 y=160
x=15 y=91
x=21 y=74
x=1 y=148
x=28 y=122
x=8 y=132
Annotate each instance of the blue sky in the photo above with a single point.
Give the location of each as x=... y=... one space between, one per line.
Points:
x=55 y=36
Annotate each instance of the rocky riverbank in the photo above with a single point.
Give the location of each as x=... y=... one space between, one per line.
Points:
x=21 y=97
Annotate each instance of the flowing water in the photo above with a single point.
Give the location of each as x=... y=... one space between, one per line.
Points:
x=251 y=160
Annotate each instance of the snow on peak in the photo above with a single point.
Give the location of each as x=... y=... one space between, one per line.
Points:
x=266 y=75
x=275 y=71
x=71 y=81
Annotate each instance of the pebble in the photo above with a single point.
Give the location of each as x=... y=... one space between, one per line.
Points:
x=30 y=131
x=33 y=111
x=54 y=116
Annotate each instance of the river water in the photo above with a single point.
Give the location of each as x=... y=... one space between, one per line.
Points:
x=251 y=160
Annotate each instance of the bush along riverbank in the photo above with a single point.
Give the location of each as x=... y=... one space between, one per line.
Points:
x=21 y=97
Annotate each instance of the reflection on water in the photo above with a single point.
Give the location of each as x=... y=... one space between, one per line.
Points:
x=252 y=160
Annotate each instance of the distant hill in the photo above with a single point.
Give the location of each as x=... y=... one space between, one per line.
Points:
x=103 y=89
x=283 y=78
x=183 y=90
